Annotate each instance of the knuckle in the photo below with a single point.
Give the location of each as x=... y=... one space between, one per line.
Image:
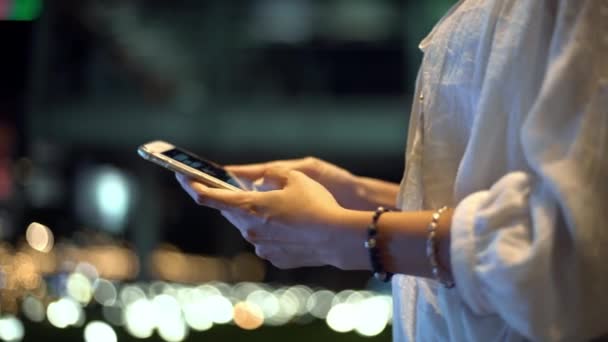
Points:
x=313 y=162
x=312 y=166
x=310 y=160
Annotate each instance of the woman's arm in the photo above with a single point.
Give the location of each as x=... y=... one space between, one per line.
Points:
x=302 y=224
x=402 y=240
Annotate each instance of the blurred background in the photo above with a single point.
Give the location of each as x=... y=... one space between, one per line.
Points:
x=97 y=244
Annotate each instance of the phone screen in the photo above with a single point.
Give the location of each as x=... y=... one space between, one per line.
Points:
x=202 y=165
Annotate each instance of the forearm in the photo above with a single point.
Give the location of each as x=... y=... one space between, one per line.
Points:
x=372 y=193
x=402 y=240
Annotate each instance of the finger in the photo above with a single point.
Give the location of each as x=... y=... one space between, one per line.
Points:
x=184 y=182
x=219 y=199
x=276 y=177
x=224 y=197
x=256 y=171
x=249 y=171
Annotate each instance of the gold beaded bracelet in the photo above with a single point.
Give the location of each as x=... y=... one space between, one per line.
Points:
x=431 y=250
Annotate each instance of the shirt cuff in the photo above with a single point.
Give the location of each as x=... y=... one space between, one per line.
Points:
x=463 y=253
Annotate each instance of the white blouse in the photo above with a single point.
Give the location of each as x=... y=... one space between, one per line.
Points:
x=510 y=127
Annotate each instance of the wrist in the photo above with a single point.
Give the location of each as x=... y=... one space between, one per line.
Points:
x=350 y=227
x=371 y=193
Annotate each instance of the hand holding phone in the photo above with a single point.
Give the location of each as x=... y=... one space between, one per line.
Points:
x=179 y=160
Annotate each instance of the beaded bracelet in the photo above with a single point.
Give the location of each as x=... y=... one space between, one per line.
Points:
x=431 y=250
x=371 y=244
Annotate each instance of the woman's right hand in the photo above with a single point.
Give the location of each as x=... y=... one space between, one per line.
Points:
x=349 y=190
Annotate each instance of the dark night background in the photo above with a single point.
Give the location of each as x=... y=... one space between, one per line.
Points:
x=84 y=83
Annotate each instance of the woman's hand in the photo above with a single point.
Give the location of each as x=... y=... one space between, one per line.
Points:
x=350 y=191
x=293 y=226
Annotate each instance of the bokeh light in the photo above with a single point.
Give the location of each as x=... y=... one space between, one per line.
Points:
x=130 y=294
x=112 y=197
x=196 y=314
x=158 y=287
x=39 y=237
x=88 y=270
x=356 y=297
x=248 y=316
x=174 y=309
x=373 y=315
x=220 y=307
x=33 y=309
x=242 y=290
x=11 y=329
x=98 y=331
x=139 y=318
x=222 y=288
x=64 y=312
x=79 y=287
x=266 y=301
x=105 y=292
x=288 y=306
x=103 y=197
x=319 y=303
x=342 y=296
x=301 y=293
x=341 y=317
x=174 y=330
x=169 y=320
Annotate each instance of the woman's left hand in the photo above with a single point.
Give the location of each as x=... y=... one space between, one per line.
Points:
x=294 y=225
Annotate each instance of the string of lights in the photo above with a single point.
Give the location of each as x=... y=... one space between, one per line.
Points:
x=61 y=285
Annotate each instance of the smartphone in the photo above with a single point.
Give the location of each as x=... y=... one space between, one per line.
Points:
x=179 y=160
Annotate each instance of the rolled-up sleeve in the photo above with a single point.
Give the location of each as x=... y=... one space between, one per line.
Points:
x=533 y=247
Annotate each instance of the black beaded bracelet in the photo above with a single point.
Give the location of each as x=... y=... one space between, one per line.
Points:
x=371 y=244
